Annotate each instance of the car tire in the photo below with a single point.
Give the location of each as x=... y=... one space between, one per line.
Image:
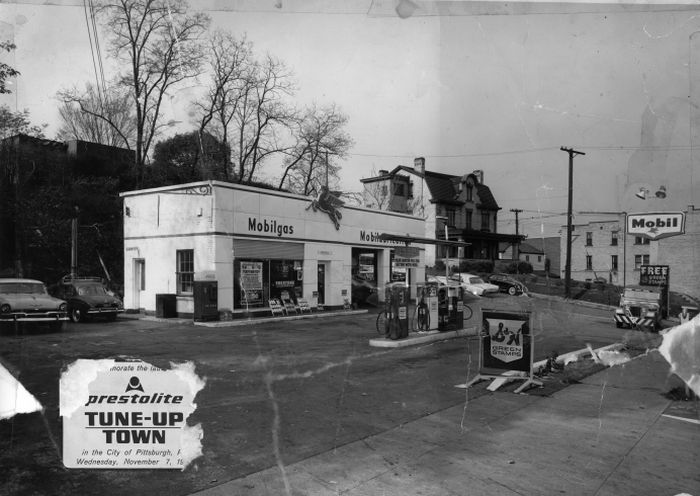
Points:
x=512 y=291
x=76 y=315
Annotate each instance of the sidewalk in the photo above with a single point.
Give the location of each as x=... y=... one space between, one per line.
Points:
x=607 y=435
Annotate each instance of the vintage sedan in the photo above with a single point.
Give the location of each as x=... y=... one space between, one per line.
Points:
x=87 y=297
x=475 y=284
x=26 y=300
x=507 y=284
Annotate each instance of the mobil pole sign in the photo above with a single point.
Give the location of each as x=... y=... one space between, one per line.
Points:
x=506 y=348
x=656 y=225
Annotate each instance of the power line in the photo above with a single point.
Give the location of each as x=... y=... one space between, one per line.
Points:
x=465 y=155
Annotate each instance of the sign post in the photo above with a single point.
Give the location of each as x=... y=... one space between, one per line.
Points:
x=506 y=350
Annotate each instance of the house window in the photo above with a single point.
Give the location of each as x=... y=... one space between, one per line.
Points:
x=641 y=240
x=185 y=271
x=640 y=260
x=589 y=262
x=613 y=262
x=485 y=221
x=385 y=190
x=613 y=239
x=589 y=239
x=539 y=258
x=468 y=219
x=451 y=213
x=470 y=192
x=398 y=189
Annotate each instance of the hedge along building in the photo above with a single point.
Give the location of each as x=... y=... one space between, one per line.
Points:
x=256 y=244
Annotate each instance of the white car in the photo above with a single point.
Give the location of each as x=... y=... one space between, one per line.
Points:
x=475 y=284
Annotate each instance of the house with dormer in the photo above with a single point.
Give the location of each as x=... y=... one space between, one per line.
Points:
x=456 y=208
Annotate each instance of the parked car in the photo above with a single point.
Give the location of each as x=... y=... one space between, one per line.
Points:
x=507 y=284
x=26 y=300
x=475 y=284
x=87 y=297
x=364 y=292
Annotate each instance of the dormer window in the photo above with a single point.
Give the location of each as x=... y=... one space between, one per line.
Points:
x=470 y=192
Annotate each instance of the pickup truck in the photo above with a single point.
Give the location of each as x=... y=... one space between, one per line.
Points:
x=640 y=307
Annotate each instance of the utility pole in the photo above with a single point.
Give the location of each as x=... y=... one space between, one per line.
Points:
x=567 y=269
x=516 y=247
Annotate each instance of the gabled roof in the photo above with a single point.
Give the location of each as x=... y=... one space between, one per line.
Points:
x=528 y=248
x=444 y=188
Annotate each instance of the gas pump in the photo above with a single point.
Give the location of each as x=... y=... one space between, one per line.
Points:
x=456 y=307
x=396 y=307
x=431 y=300
x=443 y=309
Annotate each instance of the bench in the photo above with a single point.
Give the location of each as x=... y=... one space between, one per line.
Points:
x=303 y=305
x=276 y=307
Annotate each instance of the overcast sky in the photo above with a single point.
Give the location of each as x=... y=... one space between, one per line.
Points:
x=467 y=85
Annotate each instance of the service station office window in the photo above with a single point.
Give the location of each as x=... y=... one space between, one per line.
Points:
x=185 y=272
x=258 y=281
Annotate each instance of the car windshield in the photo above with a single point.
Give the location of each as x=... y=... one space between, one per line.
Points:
x=22 y=288
x=476 y=280
x=91 y=290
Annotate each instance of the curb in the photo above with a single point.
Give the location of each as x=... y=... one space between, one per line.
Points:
x=265 y=320
x=428 y=337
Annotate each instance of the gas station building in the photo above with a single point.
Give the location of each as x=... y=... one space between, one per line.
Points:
x=252 y=245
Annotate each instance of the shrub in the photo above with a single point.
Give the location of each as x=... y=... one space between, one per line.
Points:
x=476 y=266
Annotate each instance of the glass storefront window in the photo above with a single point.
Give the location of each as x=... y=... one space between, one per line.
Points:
x=257 y=281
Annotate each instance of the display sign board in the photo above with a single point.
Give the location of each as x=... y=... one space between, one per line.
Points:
x=656 y=225
x=653 y=275
x=506 y=350
x=506 y=341
x=129 y=414
x=406 y=262
x=252 y=276
x=657 y=275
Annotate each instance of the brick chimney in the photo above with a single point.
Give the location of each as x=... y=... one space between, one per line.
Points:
x=479 y=175
x=419 y=165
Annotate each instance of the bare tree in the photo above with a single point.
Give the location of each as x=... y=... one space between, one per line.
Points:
x=158 y=43
x=262 y=115
x=230 y=67
x=117 y=127
x=320 y=137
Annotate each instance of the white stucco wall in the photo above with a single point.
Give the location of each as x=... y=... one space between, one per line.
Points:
x=206 y=217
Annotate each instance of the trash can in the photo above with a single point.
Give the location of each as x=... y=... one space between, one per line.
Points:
x=206 y=300
x=166 y=306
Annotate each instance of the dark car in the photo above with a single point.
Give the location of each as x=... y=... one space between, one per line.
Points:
x=507 y=284
x=87 y=297
x=364 y=292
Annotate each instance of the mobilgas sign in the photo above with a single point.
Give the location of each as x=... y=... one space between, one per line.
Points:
x=656 y=225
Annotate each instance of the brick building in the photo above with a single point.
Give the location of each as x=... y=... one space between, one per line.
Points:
x=601 y=249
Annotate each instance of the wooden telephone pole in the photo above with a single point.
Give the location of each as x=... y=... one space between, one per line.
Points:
x=567 y=268
x=516 y=247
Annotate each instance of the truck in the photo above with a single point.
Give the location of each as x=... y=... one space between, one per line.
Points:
x=641 y=307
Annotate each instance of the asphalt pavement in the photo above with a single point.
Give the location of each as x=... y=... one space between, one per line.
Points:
x=360 y=421
x=614 y=433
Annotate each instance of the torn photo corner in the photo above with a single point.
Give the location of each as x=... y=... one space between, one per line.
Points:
x=129 y=414
x=681 y=349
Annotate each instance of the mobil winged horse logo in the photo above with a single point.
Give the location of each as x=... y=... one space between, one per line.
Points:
x=328 y=203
